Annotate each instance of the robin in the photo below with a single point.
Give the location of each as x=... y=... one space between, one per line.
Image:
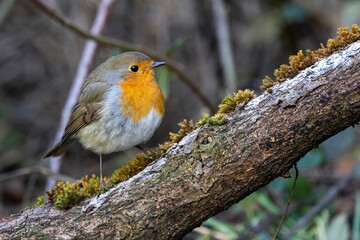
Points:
x=119 y=107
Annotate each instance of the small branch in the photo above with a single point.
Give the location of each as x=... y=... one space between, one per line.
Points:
x=332 y=194
x=82 y=71
x=37 y=169
x=288 y=203
x=113 y=43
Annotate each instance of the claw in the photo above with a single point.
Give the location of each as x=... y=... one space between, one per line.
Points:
x=146 y=152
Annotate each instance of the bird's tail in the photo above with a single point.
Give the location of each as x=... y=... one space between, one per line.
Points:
x=58 y=149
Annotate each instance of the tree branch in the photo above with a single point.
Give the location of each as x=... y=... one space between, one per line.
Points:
x=37 y=169
x=214 y=166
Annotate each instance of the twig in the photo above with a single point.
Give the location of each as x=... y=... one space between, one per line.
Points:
x=83 y=69
x=288 y=203
x=334 y=191
x=113 y=43
x=37 y=169
x=224 y=43
x=29 y=189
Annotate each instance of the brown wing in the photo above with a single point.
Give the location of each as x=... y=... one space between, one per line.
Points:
x=80 y=117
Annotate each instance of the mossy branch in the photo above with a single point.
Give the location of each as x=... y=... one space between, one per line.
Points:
x=228 y=105
x=66 y=195
x=213 y=166
x=300 y=61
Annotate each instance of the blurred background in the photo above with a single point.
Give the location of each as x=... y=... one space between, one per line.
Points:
x=223 y=46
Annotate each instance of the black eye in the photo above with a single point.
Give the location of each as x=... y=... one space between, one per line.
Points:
x=134 y=68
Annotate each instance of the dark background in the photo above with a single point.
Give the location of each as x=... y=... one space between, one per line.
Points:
x=39 y=58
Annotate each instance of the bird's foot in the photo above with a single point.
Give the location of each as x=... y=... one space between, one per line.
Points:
x=145 y=151
x=102 y=187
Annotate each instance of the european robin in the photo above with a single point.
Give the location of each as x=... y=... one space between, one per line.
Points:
x=120 y=106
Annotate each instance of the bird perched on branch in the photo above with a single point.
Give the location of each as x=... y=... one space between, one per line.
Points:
x=119 y=107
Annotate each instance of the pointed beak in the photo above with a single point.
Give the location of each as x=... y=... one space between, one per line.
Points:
x=156 y=64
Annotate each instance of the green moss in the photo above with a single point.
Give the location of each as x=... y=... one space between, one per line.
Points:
x=345 y=38
x=267 y=84
x=217 y=119
x=244 y=96
x=40 y=201
x=66 y=195
x=132 y=168
x=296 y=63
x=184 y=130
x=206 y=147
x=228 y=105
x=301 y=61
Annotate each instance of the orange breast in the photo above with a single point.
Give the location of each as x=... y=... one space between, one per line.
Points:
x=141 y=94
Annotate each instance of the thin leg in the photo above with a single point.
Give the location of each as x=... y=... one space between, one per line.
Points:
x=146 y=152
x=102 y=183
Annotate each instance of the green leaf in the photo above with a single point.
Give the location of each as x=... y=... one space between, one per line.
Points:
x=264 y=200
x=339 y=228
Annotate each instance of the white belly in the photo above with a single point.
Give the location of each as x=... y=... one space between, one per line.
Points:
x=113 y=131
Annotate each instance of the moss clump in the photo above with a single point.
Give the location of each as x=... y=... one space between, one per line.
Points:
x=40 y=201
x=296 y=63
x=184 y=130
x=217 y=119
x=131 y=168
x=301 y=61
x=267 y=84
x=66 y=195
x=345 y=38
x=228 y=105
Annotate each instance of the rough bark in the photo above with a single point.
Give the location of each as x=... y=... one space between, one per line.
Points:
x=214 y=166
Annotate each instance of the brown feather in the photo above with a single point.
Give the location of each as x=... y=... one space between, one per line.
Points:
x=79 y=118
